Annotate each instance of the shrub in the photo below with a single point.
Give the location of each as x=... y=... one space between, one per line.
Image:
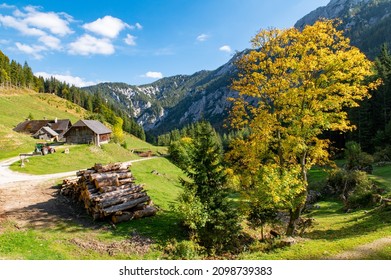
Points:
x=382 y=155
x=184 y=250
x=190 y=211
x=356 y=158
x=352 y=186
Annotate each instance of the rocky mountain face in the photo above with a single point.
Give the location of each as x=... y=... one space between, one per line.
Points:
x=179 y=100
x=366 y=22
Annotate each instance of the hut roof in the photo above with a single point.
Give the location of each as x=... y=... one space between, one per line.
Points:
x=60 y=125
x=96 y=126
x=31 y=126
x=48 y=130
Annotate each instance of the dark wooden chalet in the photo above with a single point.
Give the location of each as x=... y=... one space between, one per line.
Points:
x=87 y=132
x=35 y=128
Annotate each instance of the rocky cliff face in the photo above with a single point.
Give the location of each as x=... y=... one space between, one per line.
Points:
x=366 y=22
x=335 y=9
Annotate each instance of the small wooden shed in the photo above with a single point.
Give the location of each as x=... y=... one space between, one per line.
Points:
x=46 y=133
x=87 y=132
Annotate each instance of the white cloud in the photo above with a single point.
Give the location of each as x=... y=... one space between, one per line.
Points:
x=34 y=50
x=203 y=37
x=4 y=42
x=6 y=6
x=153 y=75
x=130 y=40
x=138 y=26
x=67 y=78
x=51 y=42
x=73 y=80
x=225 y=48
x=33 y=22
x=108 y=26
x=51 y=21
x=87 y=44
x=21 y=26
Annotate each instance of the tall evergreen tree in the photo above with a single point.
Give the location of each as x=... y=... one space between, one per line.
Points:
x=204 y=205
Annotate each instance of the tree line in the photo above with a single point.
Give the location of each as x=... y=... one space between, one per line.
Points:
x=13 y=74
x=373 y=117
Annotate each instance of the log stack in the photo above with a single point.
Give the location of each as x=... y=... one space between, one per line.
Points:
x=109 y=191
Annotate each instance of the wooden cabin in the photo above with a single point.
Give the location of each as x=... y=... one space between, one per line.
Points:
x=44 y=129
x=88 y=132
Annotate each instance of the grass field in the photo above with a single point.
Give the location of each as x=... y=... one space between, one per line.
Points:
x=17 y=105
x=334 y=232
x=382 y=176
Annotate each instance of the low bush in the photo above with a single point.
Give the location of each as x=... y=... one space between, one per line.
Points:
x=357 y=159
x=383 y=154
x=184 y=250
x=352 y=186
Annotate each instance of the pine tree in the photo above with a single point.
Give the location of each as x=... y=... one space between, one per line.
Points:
x=204 y=205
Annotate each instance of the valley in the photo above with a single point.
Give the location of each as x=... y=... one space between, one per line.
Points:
x=282 y=153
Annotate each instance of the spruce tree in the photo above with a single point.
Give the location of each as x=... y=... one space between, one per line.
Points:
x=204 y=205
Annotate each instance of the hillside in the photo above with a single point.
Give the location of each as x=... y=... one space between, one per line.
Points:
x=50 y=106
x=17 y=104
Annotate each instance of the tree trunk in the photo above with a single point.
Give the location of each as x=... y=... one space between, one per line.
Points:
x=120 y=200
x=293 y=217
x=294 y=214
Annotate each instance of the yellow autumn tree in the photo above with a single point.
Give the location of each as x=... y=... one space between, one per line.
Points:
x=293 y=86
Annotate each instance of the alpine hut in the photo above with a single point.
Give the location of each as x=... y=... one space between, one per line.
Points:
x=87 y=132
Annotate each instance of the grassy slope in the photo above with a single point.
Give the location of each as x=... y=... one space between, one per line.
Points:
x=336 y=231
x=15 y=107
x=333 y=233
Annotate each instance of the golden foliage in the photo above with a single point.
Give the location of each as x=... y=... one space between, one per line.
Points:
x=293 y=86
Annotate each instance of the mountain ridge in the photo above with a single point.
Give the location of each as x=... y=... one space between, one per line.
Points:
x=175 y=101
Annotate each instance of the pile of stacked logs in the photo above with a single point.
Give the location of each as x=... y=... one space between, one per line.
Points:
x=109 y=191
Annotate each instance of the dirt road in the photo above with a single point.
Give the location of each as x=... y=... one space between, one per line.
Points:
x=33 y=200
x=9 y=176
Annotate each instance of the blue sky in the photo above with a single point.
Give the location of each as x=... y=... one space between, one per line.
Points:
x=136 y=41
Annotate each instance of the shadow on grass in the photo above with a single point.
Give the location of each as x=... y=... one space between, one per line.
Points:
x=357 y=223
x=54 y=213
x=160 y=228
